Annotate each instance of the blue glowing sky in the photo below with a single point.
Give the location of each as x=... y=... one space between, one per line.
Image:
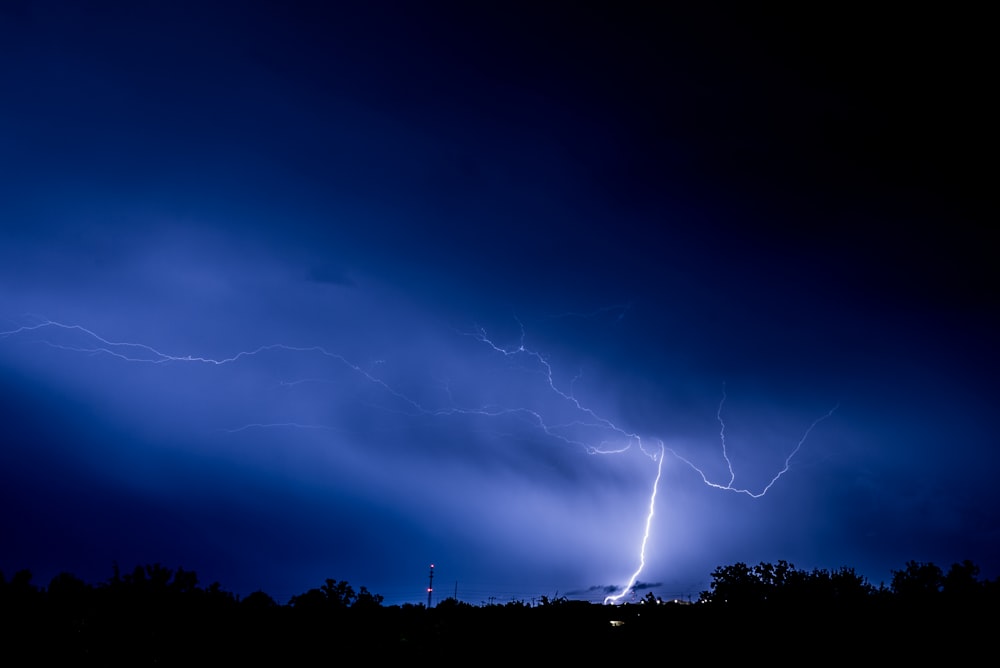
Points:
x=380 y=203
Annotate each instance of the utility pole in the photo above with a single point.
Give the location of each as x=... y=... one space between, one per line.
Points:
x=430 y=587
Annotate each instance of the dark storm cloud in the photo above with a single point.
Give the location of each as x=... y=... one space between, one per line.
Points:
x=640 y=586
x=603 y=590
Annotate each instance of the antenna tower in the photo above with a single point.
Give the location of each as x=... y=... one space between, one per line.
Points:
x=430 y=587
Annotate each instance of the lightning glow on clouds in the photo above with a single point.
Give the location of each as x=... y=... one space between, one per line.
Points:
x=565 y=420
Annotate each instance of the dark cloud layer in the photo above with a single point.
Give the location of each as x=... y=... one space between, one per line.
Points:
x=470 y=247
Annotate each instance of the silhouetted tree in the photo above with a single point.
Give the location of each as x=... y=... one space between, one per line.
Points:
x=20 y=586
x=918 y=582
x=69 y=597
x=365 y=600
x=736 y=584
x=962 y=584
x=258 y=601
x=782 y=585
x=452 y=604
x=184 y=581
x=338 y=594
x=313 y=600
x=850 y=588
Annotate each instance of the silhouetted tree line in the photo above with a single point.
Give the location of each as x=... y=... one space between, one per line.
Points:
x=153 y=615
x=781 y=585
x=922 y=610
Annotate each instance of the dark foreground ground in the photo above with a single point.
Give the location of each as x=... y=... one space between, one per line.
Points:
x=156 y=617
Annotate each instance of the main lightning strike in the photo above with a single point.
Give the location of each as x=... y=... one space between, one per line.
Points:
x=645 y=535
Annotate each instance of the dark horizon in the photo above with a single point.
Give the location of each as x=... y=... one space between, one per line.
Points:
x=738 y=585
x=156 y=616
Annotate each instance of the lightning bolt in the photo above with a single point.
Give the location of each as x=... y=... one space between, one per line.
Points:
x=621 y=440
x=726 y=487
x=645 y=535
x=632 y=438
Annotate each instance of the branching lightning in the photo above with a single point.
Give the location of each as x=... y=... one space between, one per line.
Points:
x=620 y=442
x=596 y=421
x=657 y=456
x=725 y=454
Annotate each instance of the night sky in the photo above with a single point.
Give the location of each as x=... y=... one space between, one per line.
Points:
x=345 y=289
